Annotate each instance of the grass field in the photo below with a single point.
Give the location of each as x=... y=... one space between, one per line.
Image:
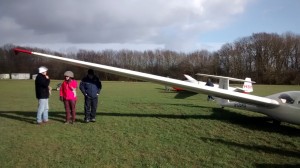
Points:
x=141 y=125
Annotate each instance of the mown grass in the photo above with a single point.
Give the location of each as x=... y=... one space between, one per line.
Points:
x=141 y=125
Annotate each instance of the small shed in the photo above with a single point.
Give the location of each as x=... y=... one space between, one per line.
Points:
x=20 y=76
x=4 y=76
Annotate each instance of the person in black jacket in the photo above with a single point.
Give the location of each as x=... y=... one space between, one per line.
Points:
x=42 y=91
x=209 y=83
x=90 y=87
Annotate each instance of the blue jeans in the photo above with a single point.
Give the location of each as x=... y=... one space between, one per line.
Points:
x=42 y=113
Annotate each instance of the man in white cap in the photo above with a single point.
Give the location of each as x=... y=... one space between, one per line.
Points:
x=42 y=82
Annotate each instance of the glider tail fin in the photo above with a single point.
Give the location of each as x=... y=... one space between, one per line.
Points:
x=247 y=87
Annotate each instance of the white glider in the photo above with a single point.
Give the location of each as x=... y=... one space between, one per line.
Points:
x=284 y=106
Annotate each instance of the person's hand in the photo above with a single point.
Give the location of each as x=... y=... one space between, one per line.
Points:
x=47 y=76
x=87 y=96
x=61 y=98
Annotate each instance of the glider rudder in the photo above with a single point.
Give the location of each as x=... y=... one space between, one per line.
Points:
x=18 y=50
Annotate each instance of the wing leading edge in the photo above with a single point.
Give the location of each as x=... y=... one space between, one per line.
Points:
x=244 y=98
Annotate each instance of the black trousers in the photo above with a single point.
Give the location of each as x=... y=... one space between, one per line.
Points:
x=90 y=108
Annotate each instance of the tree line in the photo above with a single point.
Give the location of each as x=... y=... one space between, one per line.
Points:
x=268 y=58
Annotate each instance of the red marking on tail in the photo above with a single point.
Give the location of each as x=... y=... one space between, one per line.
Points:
x=18 y=50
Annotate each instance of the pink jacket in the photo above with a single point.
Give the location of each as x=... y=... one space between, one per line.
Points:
x=68 y=90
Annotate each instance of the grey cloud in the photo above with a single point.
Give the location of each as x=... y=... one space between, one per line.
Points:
x=172 y=22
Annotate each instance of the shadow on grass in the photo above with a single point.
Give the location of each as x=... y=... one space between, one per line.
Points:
x=169 y=116
x=30 y=117
x=261 y=123
x=184 y=94
x=176 y=104
x=250 y=122
x=256 y=148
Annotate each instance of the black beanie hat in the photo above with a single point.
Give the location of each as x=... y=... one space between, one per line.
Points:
x=91 y=72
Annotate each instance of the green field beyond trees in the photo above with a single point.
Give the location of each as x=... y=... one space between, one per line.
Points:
x=141 y=125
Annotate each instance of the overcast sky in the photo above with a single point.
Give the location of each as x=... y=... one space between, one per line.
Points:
x=179 y=25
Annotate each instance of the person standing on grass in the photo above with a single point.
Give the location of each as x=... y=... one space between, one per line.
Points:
x=42 y=90
x=90 y=87
x=209 y=83
x=67 y=94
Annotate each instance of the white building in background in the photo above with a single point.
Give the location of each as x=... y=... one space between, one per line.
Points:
x=20 y=75
x=4 y=76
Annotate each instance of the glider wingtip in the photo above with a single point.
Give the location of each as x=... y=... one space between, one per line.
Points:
x=18 y=50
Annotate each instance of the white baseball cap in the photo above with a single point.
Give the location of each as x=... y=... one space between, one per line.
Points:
x=42 y=69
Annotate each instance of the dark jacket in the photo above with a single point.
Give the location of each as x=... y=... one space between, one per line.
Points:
x=90 y=87
x=209 y=83
x=41 y=86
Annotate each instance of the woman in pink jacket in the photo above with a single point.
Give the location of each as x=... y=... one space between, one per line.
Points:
x=68 y=96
